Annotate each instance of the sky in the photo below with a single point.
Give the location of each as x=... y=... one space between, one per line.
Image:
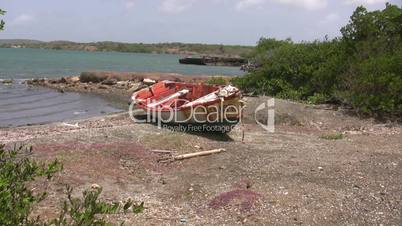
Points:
x=241 y=22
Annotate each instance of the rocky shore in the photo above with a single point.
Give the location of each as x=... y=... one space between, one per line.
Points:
x=116 y=87
x=321 y=166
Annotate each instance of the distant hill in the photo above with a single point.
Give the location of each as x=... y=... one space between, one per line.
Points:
x=168 y=48
x=19 y=41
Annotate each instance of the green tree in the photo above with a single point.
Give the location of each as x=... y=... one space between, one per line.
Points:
x=373 y=42
x=2 y=12
x=373 y=33
x=362 y=69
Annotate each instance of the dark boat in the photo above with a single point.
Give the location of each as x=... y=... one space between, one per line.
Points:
x=214 y=61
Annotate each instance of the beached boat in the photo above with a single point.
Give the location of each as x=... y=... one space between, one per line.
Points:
x=191 y=104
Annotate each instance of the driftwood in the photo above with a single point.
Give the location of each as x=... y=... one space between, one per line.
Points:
x=243 y=105
x=197 y=154
x=172 y=158
x=161 y=151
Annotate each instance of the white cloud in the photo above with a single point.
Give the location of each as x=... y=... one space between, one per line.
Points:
x=365 y=2
x=129 y=4
x=307 y=4
x=330 y=18
x=22 y=19
x=175 y=6
x=246 y=4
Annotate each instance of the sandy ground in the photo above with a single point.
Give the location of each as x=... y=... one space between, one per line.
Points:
x=292 y=176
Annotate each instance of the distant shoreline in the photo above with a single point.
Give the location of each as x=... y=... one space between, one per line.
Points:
x=158 y=48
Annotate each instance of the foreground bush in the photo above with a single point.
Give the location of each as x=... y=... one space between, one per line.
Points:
x=17 y=199
x=363 y=68
x=86 y=211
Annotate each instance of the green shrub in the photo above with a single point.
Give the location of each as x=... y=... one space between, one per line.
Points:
x=296 y=71
x=376 y=86
x=216 y=81
x=16 y=199
x=318 y=98
x=373 y=82
x=337 y=136
x=362 y=69
x=88 y=210
x=17 y=170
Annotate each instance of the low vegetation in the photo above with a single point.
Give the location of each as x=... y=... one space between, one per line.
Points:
x=361 y=69
x=217 y=81
x=18 y=171
x=336 y=136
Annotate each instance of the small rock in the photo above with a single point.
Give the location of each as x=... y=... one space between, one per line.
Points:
x=123 y=83
x=197 y=146
x=95 y=186
x=63 y=80
x=148 y=81
x=135 y=87
x=109 y=82
x=7 y=81
x=53 y=81
x=102 y=87
x=75 y=79
x=162 y=181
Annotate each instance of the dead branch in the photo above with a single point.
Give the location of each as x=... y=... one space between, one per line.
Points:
x=162 y=151
x=197 y=154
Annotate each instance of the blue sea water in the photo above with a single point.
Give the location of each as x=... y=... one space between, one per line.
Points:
x=31 y=63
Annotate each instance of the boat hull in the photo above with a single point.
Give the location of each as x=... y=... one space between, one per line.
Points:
x=197 y=106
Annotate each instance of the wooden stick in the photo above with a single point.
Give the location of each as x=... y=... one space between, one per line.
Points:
x=243 y=105
x=161 y=151
x=196 y=154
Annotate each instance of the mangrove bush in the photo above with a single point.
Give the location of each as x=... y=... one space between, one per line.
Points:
x=362 y=68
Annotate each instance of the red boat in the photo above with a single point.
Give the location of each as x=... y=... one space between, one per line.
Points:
x=188 y=103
